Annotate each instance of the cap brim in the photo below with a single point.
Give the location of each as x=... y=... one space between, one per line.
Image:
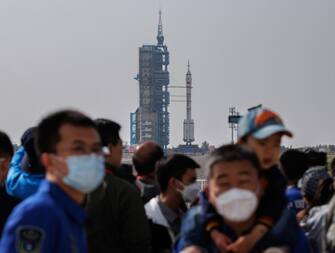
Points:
x=267 y=131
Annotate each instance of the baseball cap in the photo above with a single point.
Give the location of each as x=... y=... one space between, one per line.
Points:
x=261 y=123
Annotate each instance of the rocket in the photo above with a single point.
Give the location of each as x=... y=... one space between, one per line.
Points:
x=188 y=122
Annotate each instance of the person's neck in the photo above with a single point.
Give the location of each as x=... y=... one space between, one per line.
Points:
x=74 y=194
x=150 y=176
x=241 y=227
x=170 y=201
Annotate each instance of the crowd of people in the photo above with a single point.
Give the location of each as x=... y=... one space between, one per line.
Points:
x=65 y=190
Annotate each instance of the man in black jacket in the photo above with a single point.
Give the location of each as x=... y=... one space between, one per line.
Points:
x=119 y=222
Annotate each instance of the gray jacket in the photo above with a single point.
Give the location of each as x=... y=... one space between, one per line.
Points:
x=312 y=225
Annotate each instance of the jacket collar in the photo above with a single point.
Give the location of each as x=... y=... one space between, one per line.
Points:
x=154 y=212
x=70 y=207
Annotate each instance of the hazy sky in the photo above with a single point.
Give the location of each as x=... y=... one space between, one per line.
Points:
x=84 y=54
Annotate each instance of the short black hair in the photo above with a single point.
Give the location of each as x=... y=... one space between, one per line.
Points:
x=332 y=164
x=48 y=129
x=294 y=164
x=232 y=153
x=6 y=146
x=174 y=166
x=316 y=158
x=323 y=193
x=146 y=163
x=108 y=131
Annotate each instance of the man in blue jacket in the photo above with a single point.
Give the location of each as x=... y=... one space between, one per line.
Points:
x=52 y=220
x=235 y=189
x=7 y=202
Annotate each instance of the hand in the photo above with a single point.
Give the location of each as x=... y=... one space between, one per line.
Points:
x=243 y=244
x=220 y=240
x=59 y=166
x=191 y=249
x=301 y=215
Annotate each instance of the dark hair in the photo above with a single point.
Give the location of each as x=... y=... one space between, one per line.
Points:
x=32 y=163
x=232 y=153
x=332 y=167
x=108 y=131
x=294 y=164
x=316 y=158
x=323 y=193
x=6 y=146
x=145 y=163
x=173 y=167
x=48 y=129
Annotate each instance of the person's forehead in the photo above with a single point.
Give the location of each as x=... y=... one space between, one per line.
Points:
x=244 y=167
x=272 y=138
x=72 y=133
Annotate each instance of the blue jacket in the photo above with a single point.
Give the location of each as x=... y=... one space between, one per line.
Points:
x=295 y=199
x=19 y=183
x=286 y=232
x=49 y=222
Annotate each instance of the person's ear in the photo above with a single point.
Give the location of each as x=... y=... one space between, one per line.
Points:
x=110 y=147
x=210 y=195
x=46 y=160
x=174 y=183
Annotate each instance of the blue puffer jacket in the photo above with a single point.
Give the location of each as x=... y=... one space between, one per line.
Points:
x=19 y=183
x=286 y=232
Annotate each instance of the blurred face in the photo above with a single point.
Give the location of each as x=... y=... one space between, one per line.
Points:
x=236 y=174
x=188 y=178
x=74 y=141
x=115 y=156
x=267 y=150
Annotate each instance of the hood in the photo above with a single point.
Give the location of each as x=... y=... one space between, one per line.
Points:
x=154 y=212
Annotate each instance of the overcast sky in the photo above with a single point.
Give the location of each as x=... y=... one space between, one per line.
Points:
x=84 y=54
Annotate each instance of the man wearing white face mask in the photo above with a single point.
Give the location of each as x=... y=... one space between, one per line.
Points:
x=177 y=181
x=235 y=190
x=52 y=220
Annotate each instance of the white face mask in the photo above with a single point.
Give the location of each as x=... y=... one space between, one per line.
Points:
x=237 y=205
x=190 y=192
x=86 y=172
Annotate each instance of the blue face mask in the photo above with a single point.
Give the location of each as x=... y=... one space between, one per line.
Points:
x=86 y=172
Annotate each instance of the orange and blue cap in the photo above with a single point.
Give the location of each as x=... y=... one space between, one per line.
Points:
x=261 y=123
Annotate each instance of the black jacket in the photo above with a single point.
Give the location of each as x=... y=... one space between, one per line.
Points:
x=118 y=221
x=7 y=205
